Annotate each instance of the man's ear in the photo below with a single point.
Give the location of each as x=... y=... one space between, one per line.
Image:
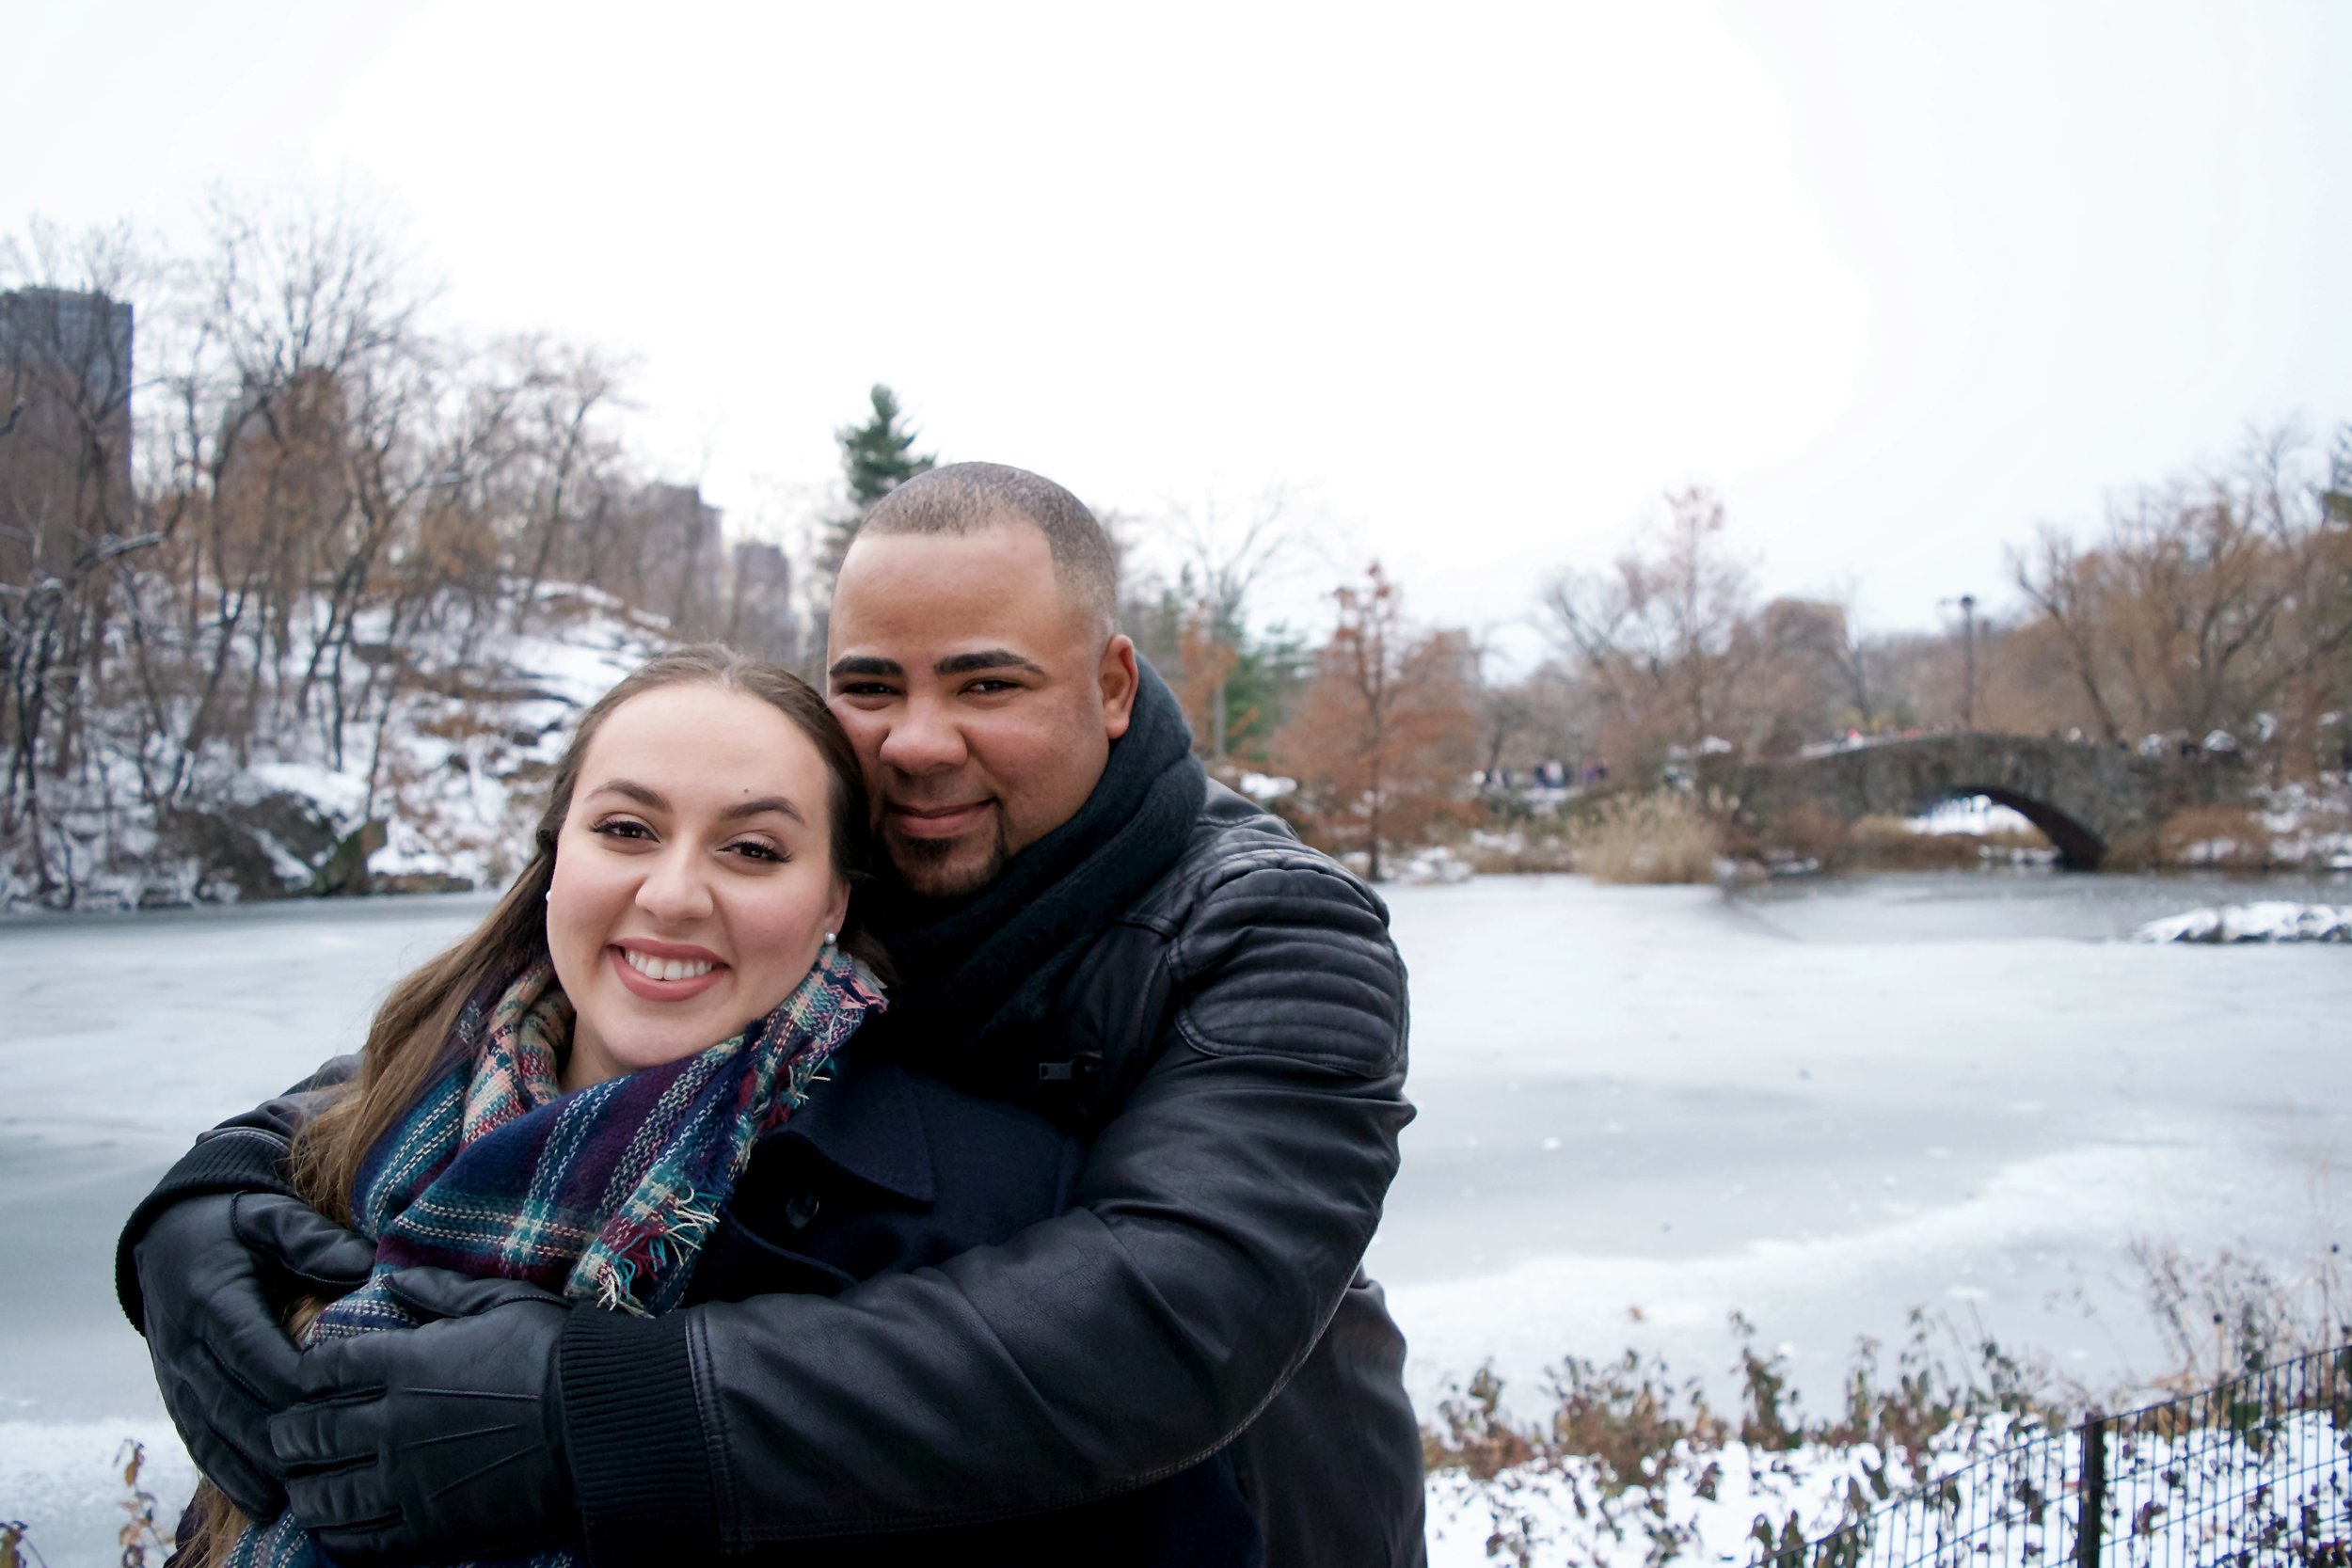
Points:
x=1120 y=681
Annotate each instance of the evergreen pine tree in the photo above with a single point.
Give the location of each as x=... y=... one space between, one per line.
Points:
x=877 y=457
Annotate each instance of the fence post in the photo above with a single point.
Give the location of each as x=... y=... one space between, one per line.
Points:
x=2091 y=1524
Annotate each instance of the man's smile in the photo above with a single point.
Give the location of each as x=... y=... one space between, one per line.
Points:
x=946 y=821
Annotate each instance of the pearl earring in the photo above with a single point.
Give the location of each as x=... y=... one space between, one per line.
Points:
x=829 y=935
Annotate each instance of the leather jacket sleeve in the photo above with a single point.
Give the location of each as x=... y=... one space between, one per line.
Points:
x=244 y=1154
x=1221 y=1213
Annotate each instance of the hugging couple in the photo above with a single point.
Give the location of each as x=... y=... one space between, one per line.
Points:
x=925 y=1117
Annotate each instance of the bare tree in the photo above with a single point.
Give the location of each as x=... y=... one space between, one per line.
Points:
x=1225 y=551
x=68 y=517
x=561 y=392
x=2207 y=600
x=1667 y=631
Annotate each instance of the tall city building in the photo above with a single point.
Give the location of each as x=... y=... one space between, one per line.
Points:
x=65 y=427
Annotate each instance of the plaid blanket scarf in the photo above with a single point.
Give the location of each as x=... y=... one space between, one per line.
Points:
x=605 y=1195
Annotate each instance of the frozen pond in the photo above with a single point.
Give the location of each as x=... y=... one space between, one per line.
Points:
x=1826 y=1104
x=1641 y=1108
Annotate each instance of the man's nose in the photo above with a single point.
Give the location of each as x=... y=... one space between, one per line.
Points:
x=676 y=886
x=924 y=738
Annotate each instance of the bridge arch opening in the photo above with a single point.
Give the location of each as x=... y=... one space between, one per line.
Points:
x=2078 y=848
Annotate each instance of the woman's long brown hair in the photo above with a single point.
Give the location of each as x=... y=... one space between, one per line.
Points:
x=408 y=1043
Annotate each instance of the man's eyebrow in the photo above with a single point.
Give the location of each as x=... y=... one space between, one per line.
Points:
x=865 y=664
x=653 y=800
x=987 y=658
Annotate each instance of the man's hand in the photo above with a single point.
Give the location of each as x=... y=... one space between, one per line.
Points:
x=438 y=1442
x=218 y=1273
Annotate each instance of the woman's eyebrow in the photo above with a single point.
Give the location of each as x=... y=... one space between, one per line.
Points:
x=644 y=795
x=764 y=803
x=653 y=800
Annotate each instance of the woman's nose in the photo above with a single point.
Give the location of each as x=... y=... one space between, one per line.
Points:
x=676 y=886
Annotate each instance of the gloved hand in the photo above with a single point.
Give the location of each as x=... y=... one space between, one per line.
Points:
x=436 y=1442
x=217 y=1275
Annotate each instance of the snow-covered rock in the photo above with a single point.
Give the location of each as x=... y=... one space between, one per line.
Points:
x=1264 y=787
x=1435 y=863
x=2273 y=920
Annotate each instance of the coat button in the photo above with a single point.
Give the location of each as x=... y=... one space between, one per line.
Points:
x=802 y=1210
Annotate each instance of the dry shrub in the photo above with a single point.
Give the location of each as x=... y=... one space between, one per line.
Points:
x=2028 y=838
x=1807 y=831
x=1888 y=843
x=1664 y=836
x=1517 y=854
x=2229 y=837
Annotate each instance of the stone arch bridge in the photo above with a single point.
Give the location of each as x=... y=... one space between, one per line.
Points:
x=2095 y=802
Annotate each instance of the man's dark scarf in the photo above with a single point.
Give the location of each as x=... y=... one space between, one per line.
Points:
x=978 y=974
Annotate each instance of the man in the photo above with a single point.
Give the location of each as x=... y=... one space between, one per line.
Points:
x=1085 y=927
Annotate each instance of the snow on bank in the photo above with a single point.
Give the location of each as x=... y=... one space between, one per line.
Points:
x=1701 y=1511
x=64 y=1483
x=452 y=774
x=2268 y=921
x=1973 y=814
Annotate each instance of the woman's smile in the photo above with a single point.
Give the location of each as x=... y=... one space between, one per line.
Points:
x=671 y=976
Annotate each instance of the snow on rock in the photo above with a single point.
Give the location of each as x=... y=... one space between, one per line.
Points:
x=444 y=788
x=2270 y=921
x=1435 y=863
x=1263 y=787
x=1975 y=814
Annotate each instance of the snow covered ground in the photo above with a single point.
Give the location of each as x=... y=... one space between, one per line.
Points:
x=1641 y=1108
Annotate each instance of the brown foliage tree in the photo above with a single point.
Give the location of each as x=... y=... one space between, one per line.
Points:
x=1384 y=736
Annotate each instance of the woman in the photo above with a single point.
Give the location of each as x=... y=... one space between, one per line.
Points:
x=567 y=1097
x=691 y=872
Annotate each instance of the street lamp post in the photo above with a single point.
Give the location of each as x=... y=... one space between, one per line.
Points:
x=1967 y=603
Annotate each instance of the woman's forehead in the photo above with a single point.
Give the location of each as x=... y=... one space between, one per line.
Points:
x=702 y=741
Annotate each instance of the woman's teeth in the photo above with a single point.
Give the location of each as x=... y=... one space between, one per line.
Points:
x=667 y=969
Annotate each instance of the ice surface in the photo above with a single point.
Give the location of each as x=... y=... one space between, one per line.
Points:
x=1827 y=1107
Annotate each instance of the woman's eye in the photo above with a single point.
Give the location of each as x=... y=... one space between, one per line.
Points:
x=621 y=827
x=753 y=849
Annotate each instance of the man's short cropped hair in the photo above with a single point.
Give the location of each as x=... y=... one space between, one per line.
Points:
x=963 y=496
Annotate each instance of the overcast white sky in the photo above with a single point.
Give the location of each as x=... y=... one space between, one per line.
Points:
x=1901 y=280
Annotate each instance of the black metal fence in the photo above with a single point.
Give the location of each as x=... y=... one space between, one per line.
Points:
x=2257 y=1470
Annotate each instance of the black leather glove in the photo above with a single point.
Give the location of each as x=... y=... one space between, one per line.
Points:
x=438 y=1442
x=218 y=1276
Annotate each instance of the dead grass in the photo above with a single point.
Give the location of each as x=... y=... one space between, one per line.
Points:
x=2227 y=838
x=1613 y=1431
x=1886 y=844
x=1807 y=831
x=1518 y=853
x=1665 y=836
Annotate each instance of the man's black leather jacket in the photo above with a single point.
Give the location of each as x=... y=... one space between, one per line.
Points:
x=1238 y=1041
